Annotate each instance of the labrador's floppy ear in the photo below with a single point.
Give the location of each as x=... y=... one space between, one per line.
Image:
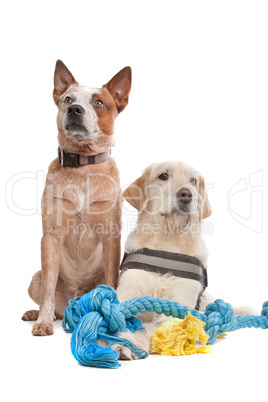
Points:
x=119 y=87
x=63 y=79
x=206 y=209
x=137 y=192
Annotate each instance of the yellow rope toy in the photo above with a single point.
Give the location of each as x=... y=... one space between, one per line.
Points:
x=177 y=337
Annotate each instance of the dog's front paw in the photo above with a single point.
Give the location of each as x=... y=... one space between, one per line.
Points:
x=124 y=353
x=42 y=329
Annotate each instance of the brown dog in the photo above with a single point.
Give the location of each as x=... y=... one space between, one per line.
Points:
x=81 y=203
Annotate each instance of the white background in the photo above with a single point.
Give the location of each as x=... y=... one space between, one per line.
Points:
x=200 y=94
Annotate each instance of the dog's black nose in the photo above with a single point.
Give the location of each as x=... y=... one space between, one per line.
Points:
x=184 y=195
x=75 y=110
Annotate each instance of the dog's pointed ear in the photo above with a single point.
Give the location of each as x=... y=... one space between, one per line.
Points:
x=119 y=87
x=137 y=192
x=206 y=207
x=62 y=80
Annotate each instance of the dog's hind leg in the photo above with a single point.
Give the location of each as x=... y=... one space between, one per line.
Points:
x=62 y=296
x=30 y=315
x=34 y=293
x=240 y=310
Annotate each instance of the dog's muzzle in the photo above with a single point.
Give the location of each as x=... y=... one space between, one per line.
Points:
x=74 y=125
x=75 y=119
x=184 y=198
x=78 y=126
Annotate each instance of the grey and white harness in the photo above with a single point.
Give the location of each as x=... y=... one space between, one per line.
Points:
x=163 y=262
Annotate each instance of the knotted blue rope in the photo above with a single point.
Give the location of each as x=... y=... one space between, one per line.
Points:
x=98 y=316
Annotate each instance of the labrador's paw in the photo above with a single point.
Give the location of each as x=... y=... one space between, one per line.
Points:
x=124 y=353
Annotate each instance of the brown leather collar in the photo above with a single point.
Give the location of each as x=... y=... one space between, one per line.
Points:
x=76 y=160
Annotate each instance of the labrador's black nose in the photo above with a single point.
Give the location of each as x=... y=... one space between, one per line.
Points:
x=75 y=111
x=184 y=195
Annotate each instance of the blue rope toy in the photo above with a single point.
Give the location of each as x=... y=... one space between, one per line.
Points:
x=98 y=315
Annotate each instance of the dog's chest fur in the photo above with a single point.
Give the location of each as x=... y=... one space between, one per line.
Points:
x=181 y=290
x=82 y=200
x=162 y=238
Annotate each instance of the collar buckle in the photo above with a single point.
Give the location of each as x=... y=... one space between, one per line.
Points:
x=76 y=160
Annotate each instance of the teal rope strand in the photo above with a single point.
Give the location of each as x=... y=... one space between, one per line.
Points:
x=98 y=315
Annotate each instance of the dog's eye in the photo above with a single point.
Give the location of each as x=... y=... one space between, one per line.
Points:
x=193 y=181
x=163 y=176
x=68 y=99
x=99 y=103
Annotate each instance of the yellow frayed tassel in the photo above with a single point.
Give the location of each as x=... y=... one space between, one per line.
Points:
x=177 y=337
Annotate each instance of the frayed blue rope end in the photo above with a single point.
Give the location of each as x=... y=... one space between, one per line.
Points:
x=84 y=345
x=95 y=317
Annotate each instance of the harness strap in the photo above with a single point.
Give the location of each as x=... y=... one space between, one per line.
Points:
x=163 y=262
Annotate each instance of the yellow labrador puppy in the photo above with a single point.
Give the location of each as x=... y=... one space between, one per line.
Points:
x=172 y=201
x=165 y=254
